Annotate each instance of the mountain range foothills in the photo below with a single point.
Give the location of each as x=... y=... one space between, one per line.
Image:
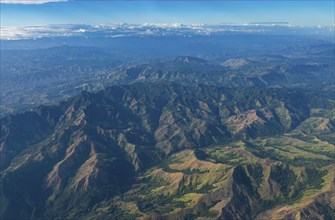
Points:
x=163 y=150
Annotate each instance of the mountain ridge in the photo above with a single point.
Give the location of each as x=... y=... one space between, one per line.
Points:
x=96 y=147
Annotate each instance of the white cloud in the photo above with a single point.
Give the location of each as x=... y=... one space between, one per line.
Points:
x=38 y=31
x=81 y=30
x=27 y=2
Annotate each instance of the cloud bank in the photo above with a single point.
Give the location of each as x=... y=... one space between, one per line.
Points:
x=29 y=2
x=154 y=30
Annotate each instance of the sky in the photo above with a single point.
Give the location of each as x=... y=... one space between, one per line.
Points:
x=28 y=12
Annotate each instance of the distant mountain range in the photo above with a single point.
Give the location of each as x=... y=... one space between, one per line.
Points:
x=45 y=76
x=168 y=151
x=262 y=71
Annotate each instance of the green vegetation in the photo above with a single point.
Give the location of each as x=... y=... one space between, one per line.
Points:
x=284 y=177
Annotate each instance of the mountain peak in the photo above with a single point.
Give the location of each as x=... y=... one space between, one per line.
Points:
x=190 y=59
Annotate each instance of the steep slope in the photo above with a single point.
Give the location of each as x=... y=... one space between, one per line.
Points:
x=73 y=159
x=234 y=182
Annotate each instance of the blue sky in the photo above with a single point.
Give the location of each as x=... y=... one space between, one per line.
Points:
x=186 y=12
